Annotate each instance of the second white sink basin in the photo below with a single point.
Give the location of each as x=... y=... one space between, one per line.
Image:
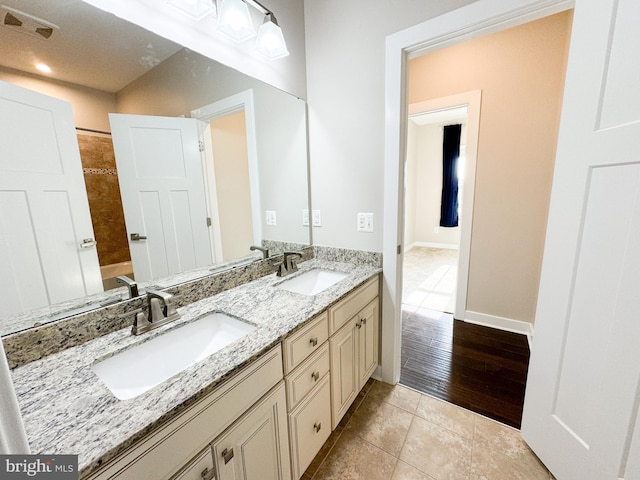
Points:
x=140 y=368
x=312 y=282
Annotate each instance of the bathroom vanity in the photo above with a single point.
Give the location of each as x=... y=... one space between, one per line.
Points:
x=260 y=408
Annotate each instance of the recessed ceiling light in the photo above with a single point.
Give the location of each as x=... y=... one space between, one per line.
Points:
x=43 y=67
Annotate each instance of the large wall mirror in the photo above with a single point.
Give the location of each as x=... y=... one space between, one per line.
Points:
x=182 y=163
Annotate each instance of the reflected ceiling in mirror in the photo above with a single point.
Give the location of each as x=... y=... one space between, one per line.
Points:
x=102 y=65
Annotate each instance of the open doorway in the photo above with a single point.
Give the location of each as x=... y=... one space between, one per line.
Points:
x=520 y=72
x=432 y=242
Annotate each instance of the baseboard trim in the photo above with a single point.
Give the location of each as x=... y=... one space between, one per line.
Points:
x=501 y=323
x=448 y=246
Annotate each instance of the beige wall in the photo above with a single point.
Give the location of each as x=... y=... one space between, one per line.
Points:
x=90 y=106
x=521 y=74
x=229 y=140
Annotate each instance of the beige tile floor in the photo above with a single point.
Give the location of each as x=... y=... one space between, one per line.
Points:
x=429 y=278
x=395 y=433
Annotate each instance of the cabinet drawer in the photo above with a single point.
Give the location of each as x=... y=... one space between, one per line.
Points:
x=306 y=376
x=346 y=308
x=304 y=342
x=200 y=468
x=309 y=427
x=163 y=452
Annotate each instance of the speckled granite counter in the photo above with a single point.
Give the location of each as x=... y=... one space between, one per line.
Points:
x=68 y=410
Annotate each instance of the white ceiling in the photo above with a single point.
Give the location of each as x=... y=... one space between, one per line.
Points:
x=92 y=47
x=441 y=117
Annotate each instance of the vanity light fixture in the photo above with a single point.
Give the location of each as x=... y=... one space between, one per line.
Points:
x=270 y=41
x=234 y=20
x=197 y=9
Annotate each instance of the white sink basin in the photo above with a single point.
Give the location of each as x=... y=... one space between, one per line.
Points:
x=140 y=368
x=312 y=282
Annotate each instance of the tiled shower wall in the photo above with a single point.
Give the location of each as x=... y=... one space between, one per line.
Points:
x=101 y=180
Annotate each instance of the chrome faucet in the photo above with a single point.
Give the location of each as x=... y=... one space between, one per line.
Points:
x=131 y=285
x=162 y=310
x=289 y=263
x=265 y=251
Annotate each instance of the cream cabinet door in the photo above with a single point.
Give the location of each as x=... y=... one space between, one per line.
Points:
x=343 y=347
x=368 y=341
x=256 y=446
x=310 y=427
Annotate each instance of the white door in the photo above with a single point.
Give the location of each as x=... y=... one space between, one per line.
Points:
x=583 y=390
x=161 y=179
x=44 y=211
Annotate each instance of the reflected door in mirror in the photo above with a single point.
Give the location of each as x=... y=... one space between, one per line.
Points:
x=160 y=169
x=45 y=223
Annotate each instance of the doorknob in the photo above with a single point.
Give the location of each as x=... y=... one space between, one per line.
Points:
x=137 y=237
x=88 y=243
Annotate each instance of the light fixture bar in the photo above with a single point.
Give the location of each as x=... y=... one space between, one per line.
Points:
x=234 y=21
x=259 y=6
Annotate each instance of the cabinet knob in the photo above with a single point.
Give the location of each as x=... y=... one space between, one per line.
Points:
x=207 y=474
x=363 y=321
x=317 y=426
x=227 y=455
x=313 y=341
x=359 y=324
x=315 y=376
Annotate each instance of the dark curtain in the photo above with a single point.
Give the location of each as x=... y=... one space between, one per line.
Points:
x=450 y=154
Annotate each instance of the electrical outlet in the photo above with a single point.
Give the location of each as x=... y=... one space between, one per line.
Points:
x=317 y=218
x=365 y=222
x=436 y=229
x=305 y=218
x=270 y=217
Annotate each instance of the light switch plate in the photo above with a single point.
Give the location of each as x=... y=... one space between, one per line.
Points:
x=365 y=222
x=317 y=218
x=305 y=218
x=270 y=217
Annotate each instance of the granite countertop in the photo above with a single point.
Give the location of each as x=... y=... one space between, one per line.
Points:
x=68 y=410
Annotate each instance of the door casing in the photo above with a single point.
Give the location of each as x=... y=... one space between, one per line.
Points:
x=475 y=20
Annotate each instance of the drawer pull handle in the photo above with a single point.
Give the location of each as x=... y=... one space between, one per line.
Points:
x=313 y=341
x=227 y=455
x=315 y=376
x=317 y=426
x=207 y=474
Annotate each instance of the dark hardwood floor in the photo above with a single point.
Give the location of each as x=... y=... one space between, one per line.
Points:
x=478 y=368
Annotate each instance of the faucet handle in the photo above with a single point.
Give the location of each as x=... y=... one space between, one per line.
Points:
x=265 y=251
x=163 y=301
x=131 y=285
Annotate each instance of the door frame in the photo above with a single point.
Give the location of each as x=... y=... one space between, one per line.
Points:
x=472 y=101
x=242 y=101
x=475 y=20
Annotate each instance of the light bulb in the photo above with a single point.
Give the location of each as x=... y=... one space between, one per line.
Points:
x=270 y=41
x=234 y=20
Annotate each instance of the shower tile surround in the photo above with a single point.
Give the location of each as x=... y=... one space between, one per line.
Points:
x=103 y=192
x=72 y=411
